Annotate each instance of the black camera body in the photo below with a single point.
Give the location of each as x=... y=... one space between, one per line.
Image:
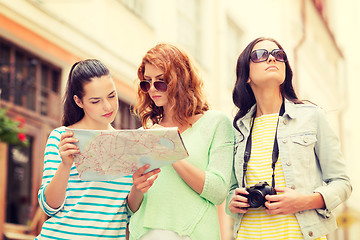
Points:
x=257 y=193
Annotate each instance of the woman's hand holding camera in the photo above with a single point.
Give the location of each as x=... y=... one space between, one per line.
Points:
x=239 y=203
x=291 y=201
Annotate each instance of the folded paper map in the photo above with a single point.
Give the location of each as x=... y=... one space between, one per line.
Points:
x=110 y=154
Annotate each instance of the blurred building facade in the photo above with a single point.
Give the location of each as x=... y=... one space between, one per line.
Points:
x=41 y=39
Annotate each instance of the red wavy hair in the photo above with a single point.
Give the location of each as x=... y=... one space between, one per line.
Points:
x=185 y=88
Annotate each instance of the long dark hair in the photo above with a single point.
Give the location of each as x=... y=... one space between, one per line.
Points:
x=81 y=72
x=243 y=96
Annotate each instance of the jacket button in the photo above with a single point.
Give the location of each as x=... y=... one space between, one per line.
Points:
x=288 y=163
x=284 y=140
x=311 y=233
x=305 y=139
x=292 y=187
x=285 y=121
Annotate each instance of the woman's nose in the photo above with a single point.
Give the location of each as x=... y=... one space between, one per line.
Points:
x=271 y=58
x=107 y=105
x=152 y=87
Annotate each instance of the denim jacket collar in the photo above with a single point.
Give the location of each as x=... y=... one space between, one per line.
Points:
x=290 y=112
x=290 y=109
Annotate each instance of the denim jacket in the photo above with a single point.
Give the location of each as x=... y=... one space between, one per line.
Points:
x=311 y=160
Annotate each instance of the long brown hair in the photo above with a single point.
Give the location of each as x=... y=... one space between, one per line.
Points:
x=185 y=88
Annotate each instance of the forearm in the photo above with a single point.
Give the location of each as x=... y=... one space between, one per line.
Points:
x=134 y=200
x=314 y=201
x=193 y=176
x=56 y=190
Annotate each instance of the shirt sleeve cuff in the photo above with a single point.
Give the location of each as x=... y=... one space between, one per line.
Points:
x=47 y=209
x=209 y=193
x=128 y=208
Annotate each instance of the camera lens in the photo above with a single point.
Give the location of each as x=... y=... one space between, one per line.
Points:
x=256 y=199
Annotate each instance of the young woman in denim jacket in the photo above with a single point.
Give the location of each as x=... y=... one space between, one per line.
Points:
x=308 y=174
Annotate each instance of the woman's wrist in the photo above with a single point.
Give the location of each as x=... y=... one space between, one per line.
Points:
x=315 y=201
x=65 y=167
x=135 y=198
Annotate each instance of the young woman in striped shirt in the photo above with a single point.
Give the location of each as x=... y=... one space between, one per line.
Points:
x=85 y=209
x=286 y=143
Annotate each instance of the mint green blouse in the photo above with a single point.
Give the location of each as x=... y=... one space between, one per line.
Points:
x=171 y=204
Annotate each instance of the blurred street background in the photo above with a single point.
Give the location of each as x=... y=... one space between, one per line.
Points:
x=41 y=39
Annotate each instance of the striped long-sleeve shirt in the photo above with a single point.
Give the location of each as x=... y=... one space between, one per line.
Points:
x=91 y=210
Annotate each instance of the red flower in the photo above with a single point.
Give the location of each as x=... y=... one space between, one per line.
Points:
x=21 y=120
x=22 y=137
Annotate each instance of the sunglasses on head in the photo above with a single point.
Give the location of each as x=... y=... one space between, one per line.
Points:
x=262 y=55
x=161 y=86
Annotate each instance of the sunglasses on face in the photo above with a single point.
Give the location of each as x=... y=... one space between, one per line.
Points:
x=262 y=55
x=161 y=86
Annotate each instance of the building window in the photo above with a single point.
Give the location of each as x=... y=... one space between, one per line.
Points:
x=233 y=49
x=125 y=119
x=4 y=72
x=19 y=177
x=189 y=26
x=28 y=81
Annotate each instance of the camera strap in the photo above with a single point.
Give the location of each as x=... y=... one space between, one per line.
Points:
x=275 y=152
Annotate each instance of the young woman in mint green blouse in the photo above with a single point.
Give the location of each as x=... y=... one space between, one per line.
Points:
x=181 y=202
x=292 y=148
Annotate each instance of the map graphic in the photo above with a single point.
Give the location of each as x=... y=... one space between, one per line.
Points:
x=110 y=154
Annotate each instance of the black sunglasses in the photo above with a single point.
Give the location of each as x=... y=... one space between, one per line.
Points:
x=161 y=86
x=262 y=55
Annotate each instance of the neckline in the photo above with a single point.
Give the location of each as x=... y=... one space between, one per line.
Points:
x=267 y=115
x=195 y=123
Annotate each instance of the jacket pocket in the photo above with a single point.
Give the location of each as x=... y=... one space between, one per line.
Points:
x=305 y=139
x=302 y=151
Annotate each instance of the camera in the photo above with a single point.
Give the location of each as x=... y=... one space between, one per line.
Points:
x=257 y=193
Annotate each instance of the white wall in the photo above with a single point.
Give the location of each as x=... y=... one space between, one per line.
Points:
x=345 y=21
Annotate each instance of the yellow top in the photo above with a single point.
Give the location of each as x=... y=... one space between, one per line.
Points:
x=256 y=223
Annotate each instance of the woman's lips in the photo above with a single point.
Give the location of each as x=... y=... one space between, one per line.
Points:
x=108 y=114
x=156 y=97
x=272 y=67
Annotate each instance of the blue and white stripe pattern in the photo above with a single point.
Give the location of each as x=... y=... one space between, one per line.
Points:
x=91 y=210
